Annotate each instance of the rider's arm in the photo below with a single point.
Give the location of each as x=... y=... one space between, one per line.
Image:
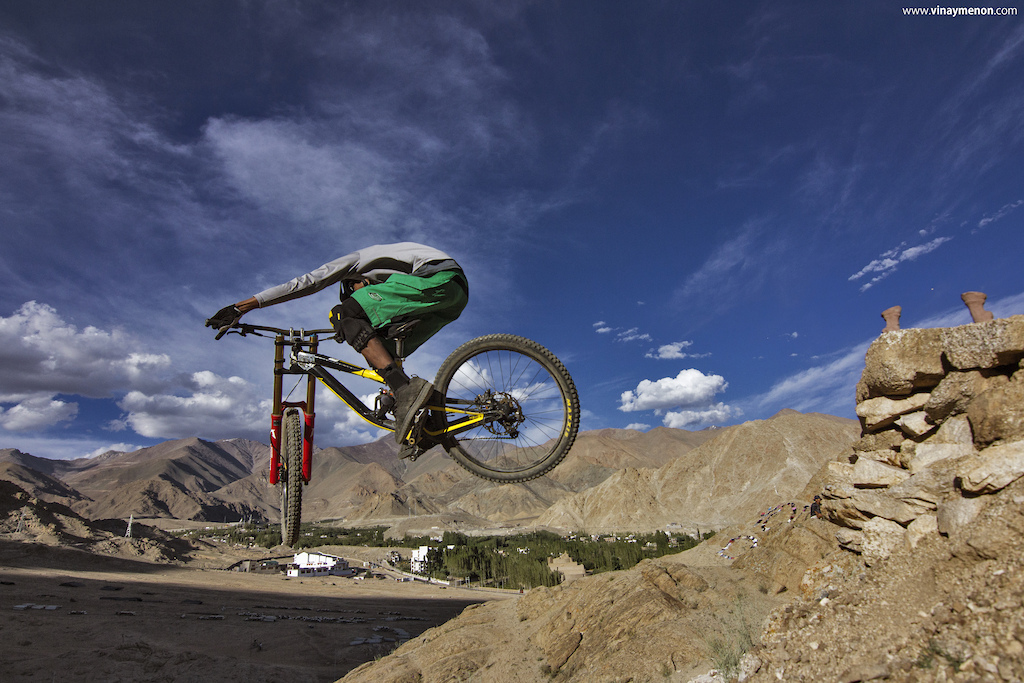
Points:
x=374 y=263
x=247 y=305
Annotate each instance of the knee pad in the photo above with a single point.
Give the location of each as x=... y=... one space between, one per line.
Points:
x=351 y=324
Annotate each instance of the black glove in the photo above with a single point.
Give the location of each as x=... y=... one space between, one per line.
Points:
x=224 y=317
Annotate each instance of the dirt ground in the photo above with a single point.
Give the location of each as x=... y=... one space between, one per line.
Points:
x=72 y=615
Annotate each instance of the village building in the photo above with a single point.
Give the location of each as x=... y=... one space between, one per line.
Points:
x=418 y=559
x=264 y=566
x=318 y=564
x=565 y=565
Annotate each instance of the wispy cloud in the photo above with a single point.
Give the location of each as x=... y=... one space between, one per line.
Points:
x=828 y=388
x=620 y=335
x=887 y=263
x=632 y=334
x=1003 y=211
x=735 y=268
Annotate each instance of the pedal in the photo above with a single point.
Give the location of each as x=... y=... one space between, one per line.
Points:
x=408 y=451
x=383 y=404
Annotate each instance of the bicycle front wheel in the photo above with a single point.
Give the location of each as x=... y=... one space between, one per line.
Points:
x=291 y=477
x=529 y=406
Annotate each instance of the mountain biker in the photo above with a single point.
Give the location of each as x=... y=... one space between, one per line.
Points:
x=380 y=285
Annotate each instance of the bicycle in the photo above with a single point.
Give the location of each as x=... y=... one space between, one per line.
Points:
x=504 y=408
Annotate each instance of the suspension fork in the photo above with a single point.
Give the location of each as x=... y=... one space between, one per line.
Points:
x=308 y=412
x=275 y=412
x=310 y=416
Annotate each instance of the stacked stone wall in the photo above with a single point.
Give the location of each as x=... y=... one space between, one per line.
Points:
x=942 y=415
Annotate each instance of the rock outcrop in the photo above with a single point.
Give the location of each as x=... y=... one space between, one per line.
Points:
x=942 y=412
x=928 y=499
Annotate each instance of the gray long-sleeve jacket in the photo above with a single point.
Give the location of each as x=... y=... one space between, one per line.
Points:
x=374 y=263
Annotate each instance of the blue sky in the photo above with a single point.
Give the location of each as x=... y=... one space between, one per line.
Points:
x=701 y=207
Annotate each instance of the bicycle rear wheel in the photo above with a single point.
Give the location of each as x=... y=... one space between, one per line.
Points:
x=531 y=408
x=291 y=476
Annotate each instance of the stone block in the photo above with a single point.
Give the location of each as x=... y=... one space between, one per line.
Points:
x=900 y=362
x=887 y=456
x=998 y=414
x=838 y=474
x=927 y=488
x=928 y=453
x=877 y=503
x=881 y=412
x=873 y=474
x=861 y=392
x=996 y=468
x=953 y=394
x=887 y=439
x=956 y=429
x=915 y=425
x=989 y=344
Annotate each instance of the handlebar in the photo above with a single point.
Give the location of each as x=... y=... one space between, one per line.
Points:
x=243 y=329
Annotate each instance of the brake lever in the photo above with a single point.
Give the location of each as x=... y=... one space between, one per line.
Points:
x=230 y=327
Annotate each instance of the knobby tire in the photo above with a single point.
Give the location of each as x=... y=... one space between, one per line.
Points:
x=291 y=477
x=533 y=392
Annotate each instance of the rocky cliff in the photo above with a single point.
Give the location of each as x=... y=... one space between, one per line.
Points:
x=913 y=572
x=929 y=502
x=943 y=427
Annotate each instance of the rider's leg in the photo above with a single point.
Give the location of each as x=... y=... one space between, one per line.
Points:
x=411 y=394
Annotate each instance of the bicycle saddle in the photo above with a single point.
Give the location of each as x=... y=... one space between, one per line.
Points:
x=399 y=330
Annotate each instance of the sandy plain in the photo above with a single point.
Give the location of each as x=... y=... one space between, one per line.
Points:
x=70 y=615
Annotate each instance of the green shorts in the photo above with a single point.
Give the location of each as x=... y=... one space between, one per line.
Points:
x=435 y=301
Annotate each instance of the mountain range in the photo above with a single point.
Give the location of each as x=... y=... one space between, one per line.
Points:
x=613 y=479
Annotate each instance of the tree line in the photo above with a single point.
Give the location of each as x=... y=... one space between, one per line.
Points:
x=517 y=561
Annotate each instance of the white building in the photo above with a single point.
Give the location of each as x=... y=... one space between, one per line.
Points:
x=418 y=559
x=318 y=564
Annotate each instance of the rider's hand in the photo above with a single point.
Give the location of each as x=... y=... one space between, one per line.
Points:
x=224 y=317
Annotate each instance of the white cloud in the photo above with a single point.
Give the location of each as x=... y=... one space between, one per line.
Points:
x=217 y=408
x=687 y=419
x=689 y=389
x=117 y=447
x=346 y=426
x=673 y=351
x=638 y=426
x=37 y=412
x=42 y=355
x=886 y=263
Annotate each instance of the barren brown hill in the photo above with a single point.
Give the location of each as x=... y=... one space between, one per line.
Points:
x=27 y=519
x=198 y=480
x=195 y=464
x=39 y=485
x=740 y=471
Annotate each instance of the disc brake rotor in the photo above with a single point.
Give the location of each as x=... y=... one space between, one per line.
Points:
x=507 y=412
